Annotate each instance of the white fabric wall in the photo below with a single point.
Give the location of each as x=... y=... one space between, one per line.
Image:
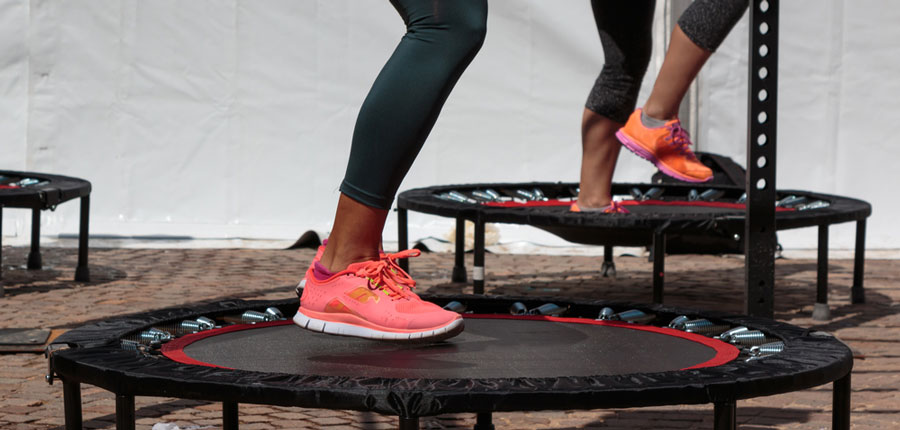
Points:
x=232 y=118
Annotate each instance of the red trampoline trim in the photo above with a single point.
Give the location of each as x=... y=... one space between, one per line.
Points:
x=174 y=350
x=557 y=202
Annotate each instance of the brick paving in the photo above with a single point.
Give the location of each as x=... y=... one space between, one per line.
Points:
x=133 y=280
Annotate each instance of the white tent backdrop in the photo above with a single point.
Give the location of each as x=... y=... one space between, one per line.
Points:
x=232 y=118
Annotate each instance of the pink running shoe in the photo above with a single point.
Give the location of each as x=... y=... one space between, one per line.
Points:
x=373 y=300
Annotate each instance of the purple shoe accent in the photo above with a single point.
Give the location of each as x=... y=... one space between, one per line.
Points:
x=321 y=272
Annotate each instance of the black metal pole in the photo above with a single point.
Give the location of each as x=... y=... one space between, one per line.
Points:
x=820 y=310
x=659 y=266
x=478 y=266
x=459 y=266
x=124 y=412
x=725 y=416
x=840 y=413
x=609 y=267
x=409 y=423
x=34 y=256
x=72 y=404
x=230 y=416
x=82 y=272
x=484 y=421
x=402 y=237
x=759 y=228
x=857 y=294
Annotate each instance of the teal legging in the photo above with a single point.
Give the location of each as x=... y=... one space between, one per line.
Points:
x=442 y=37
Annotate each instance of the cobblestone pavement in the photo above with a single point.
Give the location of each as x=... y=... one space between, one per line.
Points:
x=133 y=280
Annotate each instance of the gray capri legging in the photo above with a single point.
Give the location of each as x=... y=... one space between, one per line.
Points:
x=625 y=34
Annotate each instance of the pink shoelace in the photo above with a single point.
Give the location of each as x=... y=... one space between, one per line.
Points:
x=680 y=140
x=386 y=275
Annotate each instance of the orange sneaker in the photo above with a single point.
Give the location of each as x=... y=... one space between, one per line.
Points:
x=613 y=208
x=373 y=300
x=667 y=147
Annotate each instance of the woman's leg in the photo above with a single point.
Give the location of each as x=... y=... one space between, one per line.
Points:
x=625 y=34
x=351 y=290
x=442 y=38
x=700 y=30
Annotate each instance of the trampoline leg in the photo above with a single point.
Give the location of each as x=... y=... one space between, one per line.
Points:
x=34 y=256
x=725 y=416
x=402 y=237
x=609 y=267
x=484 y=421
x=124 y=412
x=820 y=310
x=659 y=266
x=459 y=266
x=82 y=272
x=409 y=423
x=72 y=404
x=840 y=413
x=478 y=269
x=857 y=294
x=229 y=416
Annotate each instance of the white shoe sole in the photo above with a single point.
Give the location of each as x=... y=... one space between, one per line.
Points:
x=342 y=329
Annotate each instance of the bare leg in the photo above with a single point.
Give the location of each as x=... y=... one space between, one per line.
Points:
x=356 y=235
x=599 y=153
x=683 y=62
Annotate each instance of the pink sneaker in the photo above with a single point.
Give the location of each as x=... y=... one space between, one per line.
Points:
x=373 y=300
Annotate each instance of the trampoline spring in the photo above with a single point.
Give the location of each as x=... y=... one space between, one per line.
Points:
x=254 y=317
x=274 y=313
x=711 y=194
x=678 y=322
x=481 y=195
x=634 y=316
x=549 y=309
x=749 y=338
x=818 y=204
x=527 y=195
x=693 y=195
x=653 y=193
x=767 y=349
x=460 y=197
x=742 y=198
x=790 y=201
x=196 y=325
x=518 y=308
x=455 y=306
x=130 y=345
x=704 y=327
x=538 y=194
x=606 y=314
x=636 y=194
x=155 y=335
x=494 y=194
x=727 y=335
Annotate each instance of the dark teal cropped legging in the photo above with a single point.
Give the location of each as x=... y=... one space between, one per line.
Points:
x=442 y=37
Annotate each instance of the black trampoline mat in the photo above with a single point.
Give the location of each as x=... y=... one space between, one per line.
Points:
x=488 y=348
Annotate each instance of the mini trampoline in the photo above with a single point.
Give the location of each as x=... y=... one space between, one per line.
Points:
x=38 y=192
x=687 y=217
x=631 y=356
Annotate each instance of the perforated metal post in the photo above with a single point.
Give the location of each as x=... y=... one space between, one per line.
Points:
x=478 y=269
x=759 y=229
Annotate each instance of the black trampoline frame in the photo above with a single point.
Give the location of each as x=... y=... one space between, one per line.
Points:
x=633 y=229
x=58 y=189
x=92 y=355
